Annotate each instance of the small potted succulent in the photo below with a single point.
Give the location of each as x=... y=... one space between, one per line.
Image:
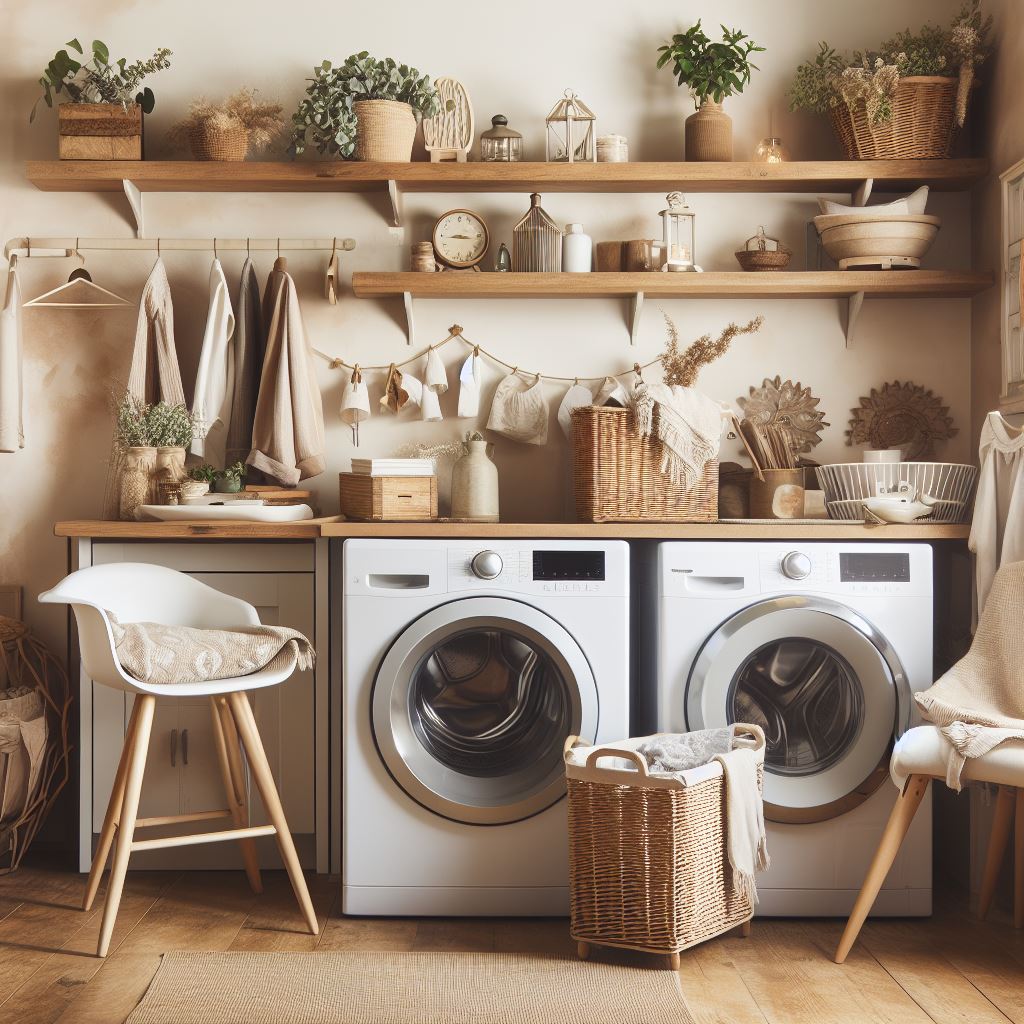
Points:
x=102 y=117
x=711 y=71
x=229 y=130
x=366 y=108
x=200 y=480
x=229 y=480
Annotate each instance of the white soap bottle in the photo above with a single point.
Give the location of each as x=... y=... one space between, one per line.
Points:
x=577 y=250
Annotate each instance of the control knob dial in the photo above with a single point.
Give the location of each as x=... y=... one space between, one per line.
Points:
x=487 y=565
x=796 y=565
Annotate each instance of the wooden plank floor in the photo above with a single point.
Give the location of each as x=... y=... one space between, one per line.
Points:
x=950 y=969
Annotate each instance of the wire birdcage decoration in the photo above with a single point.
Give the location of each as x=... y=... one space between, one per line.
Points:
x=536 y=241
x=570 y=136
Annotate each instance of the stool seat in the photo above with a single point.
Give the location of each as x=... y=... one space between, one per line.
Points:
x=925 y=751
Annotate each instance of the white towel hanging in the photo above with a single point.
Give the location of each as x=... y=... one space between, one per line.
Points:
x=520 y=410
x=469 y=387
x=355 y=404
x=435 y=377
x=578 y=396
x=612 y=392
x=215 y=378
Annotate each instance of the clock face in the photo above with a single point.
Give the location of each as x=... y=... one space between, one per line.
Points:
x=460 y=238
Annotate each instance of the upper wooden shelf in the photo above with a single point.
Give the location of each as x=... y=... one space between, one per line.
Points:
x=354 y=176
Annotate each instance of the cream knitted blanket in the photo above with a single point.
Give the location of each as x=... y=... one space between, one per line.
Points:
x=979 y=702
x=688 y=424
x=166 y=655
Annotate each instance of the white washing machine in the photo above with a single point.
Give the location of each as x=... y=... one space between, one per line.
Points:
x=466 y=666
x=822 y=645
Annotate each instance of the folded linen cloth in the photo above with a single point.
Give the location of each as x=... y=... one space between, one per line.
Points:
x=747 y=843
x=167 y=655
x=979 y=702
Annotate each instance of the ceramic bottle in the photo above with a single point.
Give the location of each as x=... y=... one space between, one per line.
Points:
x=577 y=250
x=475 y=483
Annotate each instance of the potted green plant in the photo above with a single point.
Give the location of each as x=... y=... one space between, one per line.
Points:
x=200 y=480
x=711 y=71
x=229 y=130
x=229 y=480
x=102 y=117
x=366 y=108
x=904 y=101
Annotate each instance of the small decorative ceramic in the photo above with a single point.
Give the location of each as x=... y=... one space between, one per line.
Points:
x=901 y=415
x=449 y=134
x=136 y=485
x=475 y=482
x=709 y=133
x=500 y=144
x=899 y=504
x=577 y=250
x=503 y=261
x=192 y=489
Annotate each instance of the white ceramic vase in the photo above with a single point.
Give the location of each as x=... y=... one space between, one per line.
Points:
x=475 y=483
x=577 y=250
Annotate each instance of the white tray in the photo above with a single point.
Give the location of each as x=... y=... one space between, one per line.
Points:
x=234 y=513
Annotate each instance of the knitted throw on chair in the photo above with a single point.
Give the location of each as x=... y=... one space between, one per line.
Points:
x=979 y=702
x=167 y=655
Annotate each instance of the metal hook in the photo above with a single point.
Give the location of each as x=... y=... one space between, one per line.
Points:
x=28 y=247
x=247 y=252
x=279 y=248
x=334 y=247
x=158 y=247
x=215 y=247
x=476 y=351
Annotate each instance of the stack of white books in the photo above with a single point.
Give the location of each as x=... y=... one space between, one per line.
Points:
x=393 y=467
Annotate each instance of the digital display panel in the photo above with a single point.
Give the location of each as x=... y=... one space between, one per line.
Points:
x=874 y=567
x=568 y=565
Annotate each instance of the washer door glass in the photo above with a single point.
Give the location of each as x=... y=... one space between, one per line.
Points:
x=827 y=689
x=472 y=705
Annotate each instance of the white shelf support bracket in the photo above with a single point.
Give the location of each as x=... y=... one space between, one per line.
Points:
x=636 y=305
x=410 y=329
x=395 y=198
x=853 y=306
x=134 y=197
x=863 y=192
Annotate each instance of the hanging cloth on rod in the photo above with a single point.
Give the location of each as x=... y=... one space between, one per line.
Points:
x=12 y=429
x=155 y=373
x=215 y=378
x=288 y=433
x=249 y=342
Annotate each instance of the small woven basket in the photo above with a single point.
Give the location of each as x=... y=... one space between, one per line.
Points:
x=764 y=259
x=209 y=141
x=385 y=130
x=617 y=474
x=922 y=126
x=648 y=865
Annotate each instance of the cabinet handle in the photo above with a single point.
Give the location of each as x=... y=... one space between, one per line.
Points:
x=184 y=746
x=174 y=748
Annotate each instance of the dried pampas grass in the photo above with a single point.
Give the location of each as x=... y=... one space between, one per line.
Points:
x=261 y=121
x=682 y=368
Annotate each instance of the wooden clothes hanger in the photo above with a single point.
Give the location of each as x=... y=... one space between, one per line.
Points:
x=79 y=292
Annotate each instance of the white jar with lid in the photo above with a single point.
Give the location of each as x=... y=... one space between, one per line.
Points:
x=577 y=250
x=612 y=149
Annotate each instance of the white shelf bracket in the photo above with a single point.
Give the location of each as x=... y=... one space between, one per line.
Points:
x=636 y=305
x=853 y=306
x=134 y=197
x=395 y=199
x=863 y=192
x=410 y=330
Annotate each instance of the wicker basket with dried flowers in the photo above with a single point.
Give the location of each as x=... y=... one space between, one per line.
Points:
x=230 y=130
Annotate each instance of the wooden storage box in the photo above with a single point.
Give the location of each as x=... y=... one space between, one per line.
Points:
x=99 y=131
x=388 y=498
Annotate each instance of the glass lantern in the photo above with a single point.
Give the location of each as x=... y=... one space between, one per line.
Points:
x=570 y=131
x=771 y=151
x=677 y=235
x=500 y=144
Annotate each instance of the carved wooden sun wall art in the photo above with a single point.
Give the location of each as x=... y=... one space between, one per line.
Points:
x=901 y=415
x=785 y=404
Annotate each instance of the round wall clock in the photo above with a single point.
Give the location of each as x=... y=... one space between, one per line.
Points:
x=460 y=239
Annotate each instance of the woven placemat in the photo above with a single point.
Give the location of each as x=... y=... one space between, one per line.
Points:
x=405 y=988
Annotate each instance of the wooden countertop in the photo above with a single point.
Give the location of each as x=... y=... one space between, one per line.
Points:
x=334 y=526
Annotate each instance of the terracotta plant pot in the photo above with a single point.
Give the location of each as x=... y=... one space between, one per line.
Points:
x=386 y=130
x=709 y=134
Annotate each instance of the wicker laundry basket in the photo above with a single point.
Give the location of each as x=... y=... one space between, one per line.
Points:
x=617 y=474
x=922 y=126
x=648 y=867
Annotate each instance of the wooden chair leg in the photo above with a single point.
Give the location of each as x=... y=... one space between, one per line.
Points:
x=245 y=722
x=233 y=773
x=1018 y=862
x=146 y=704
x=892 y=839
x=997 y=841
x=113 y=813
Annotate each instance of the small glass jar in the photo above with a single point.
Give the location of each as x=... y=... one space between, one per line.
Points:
x=500 y=144
x=771 y=151
x=612 y=149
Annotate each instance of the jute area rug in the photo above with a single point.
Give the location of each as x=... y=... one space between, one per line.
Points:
x=405 y=988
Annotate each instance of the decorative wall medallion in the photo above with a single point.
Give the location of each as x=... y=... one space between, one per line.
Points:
x=785 y=404
x=901 y=415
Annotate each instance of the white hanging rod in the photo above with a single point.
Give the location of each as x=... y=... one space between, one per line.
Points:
x=29 y=247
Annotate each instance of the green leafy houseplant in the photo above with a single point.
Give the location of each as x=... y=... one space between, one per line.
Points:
x=98 y=79
x=326 y=117
x=205 y=473
x=229 y=480
x=710 y=70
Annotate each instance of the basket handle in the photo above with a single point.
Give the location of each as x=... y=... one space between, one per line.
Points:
x=630 y=755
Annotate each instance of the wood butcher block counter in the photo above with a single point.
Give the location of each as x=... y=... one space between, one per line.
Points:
x=335 y=526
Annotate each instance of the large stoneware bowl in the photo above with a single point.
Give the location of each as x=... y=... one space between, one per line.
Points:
x=864 y=239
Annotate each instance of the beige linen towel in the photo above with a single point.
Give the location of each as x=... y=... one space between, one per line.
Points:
x=248 y=363
x=155 y=372
x=12 y=429
x=520 y=410
x=215 y=379
x=288 y=433
x=167 y=655
x=688 y=424
x=979 y=702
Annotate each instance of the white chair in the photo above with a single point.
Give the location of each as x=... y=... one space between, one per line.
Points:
x=919 y=756
x=149 y=593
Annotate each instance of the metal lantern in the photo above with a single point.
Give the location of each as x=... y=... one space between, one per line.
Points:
x=500 y=144
x=677 y=235
x=570 y=131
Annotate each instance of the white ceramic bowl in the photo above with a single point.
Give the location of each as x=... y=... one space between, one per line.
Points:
x=848 y=237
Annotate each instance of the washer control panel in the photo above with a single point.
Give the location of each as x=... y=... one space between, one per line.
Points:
x=549 y=570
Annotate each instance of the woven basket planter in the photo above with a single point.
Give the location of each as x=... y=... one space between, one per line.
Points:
x=386 y=130
x=618 y=479
x=922 y=126
x=214 y=142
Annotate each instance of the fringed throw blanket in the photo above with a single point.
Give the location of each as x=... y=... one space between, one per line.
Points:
x=744 y=808
x=166 y=655
x=979 y=702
